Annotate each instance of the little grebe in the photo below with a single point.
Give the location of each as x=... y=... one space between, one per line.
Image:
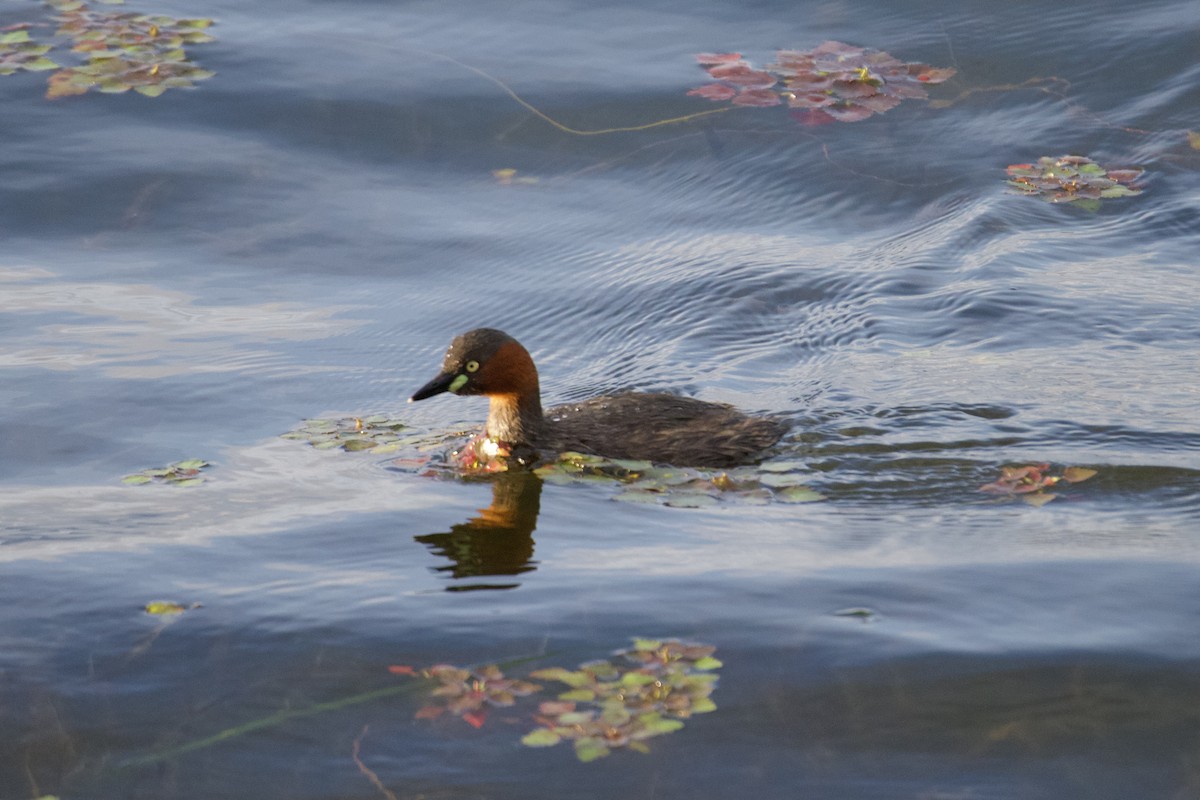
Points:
x=681 y=431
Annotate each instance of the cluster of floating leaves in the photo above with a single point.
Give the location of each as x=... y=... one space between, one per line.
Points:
x=468 y=693
x=643 y=691
x=1072 y=179
x=1030 y=482
x=643 y=482
x=181 y=473
x=19 y=52
x=834 y=82
x=124 y=51
x=378 y=433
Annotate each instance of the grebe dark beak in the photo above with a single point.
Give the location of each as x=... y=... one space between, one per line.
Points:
x=436 y=386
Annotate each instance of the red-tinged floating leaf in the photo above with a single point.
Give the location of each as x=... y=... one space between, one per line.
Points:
x=490 y=672
x=401 y=669
x=904 y=91
x=838 y=49
x=555 y=708
x=849 y=113
x=718 y=58
x=812 y=117
x=811 y=100
x=759 y=98
x=714 y=91
x=879 y=103
x=1124 y=175
x=1077 y=474
x=475 y=718
x=429 y=712
x=63 y=84
x=743 y=75
x=810 y=84
x=854 y=88
x=934 y=74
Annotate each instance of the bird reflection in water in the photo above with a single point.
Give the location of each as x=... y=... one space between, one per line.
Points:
x=497 y=542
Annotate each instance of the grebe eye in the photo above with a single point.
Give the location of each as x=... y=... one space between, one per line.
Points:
x=472 y=366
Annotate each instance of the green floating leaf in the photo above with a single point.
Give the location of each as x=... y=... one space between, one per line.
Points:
x=40 y=65
x=161 y=607
x=708 y=663
x=191 y=463
x=1077 y=474
x=541 y=737
x=14 y=37
x=798 y=494
x=590 y=749
x=654 y=724
x=136 y=479
x=637 y=679
x=636 y=496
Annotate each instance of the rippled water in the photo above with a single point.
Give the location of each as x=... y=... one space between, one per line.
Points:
x=193 y=275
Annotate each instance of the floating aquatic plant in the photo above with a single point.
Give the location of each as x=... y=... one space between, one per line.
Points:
x=643 y=691
x=160 y=608
x=181 y=473
x=834 y=82
x=19 y=52
x=123 y=51
x=377 y=433
x=1072 y=179
x=468 y=693
x=643 y=482
x=1030 y=482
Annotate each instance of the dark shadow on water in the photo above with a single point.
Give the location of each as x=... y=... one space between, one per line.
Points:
x=497 y=542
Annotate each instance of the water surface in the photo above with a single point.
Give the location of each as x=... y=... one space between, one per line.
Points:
x=301 y=236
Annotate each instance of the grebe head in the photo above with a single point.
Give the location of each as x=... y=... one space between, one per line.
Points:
x=484 y=361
